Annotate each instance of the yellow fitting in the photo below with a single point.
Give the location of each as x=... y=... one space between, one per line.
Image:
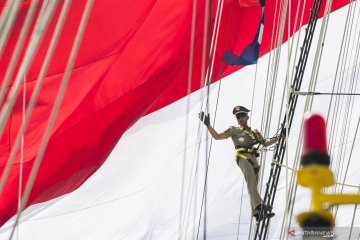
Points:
x=315 y=176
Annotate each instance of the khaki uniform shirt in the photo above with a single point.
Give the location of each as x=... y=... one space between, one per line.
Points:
x=242 y=137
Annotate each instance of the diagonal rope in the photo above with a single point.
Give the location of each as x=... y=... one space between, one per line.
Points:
x=295 y=170
x=7 y=19
x=54 y=110
x=190 y=71
x=41 y=25
x=36 y=91
x=42 y=17
x=18 y=47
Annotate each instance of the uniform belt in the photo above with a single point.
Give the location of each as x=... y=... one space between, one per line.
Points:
x=240 y=149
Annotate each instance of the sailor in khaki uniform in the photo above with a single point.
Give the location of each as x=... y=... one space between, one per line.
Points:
x=244 y=139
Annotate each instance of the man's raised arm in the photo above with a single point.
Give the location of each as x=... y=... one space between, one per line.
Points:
x=206 y=120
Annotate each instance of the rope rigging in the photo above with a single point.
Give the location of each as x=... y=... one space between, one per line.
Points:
x=279 y=150
x=271 y=185
x=58 y=100
x=191 y=189
x=299 y=75
x=270 y=82
x=340 y=68
x=210 y=54
x=291 y=193
x=344 y=59
x=190 y=69
x=297 y=24
x=211 y=47
x=323 y=93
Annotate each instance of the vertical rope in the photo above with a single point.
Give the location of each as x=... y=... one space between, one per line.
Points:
x=339 y=100
x=348 y=162
x=342 y=47
x=202 y=77
x=308 y=106
x=271 y=192
x=21 y=152
x=295 y=54
x=349 y=103
x=242 y=192
x=287 y=83
x=272 y=86
x=353 y=217
x=341 y=53
x=211 y=54
x=272 y=74
x=190 y=71
x=200 y=128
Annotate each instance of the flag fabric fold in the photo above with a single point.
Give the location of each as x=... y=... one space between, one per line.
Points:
x=251 y=53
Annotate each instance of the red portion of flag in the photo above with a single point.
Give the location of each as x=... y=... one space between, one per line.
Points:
x=133 y=59
x=249 y=3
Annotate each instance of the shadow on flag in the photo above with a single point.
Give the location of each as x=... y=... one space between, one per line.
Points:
x=251 y=53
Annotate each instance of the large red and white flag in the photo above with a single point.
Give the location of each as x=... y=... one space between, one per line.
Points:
x=125 y=159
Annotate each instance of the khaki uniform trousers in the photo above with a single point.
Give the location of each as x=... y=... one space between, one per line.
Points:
x=251 y=178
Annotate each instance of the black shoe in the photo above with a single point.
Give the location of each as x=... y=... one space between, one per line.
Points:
x=263 y=208
x=260 y=217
